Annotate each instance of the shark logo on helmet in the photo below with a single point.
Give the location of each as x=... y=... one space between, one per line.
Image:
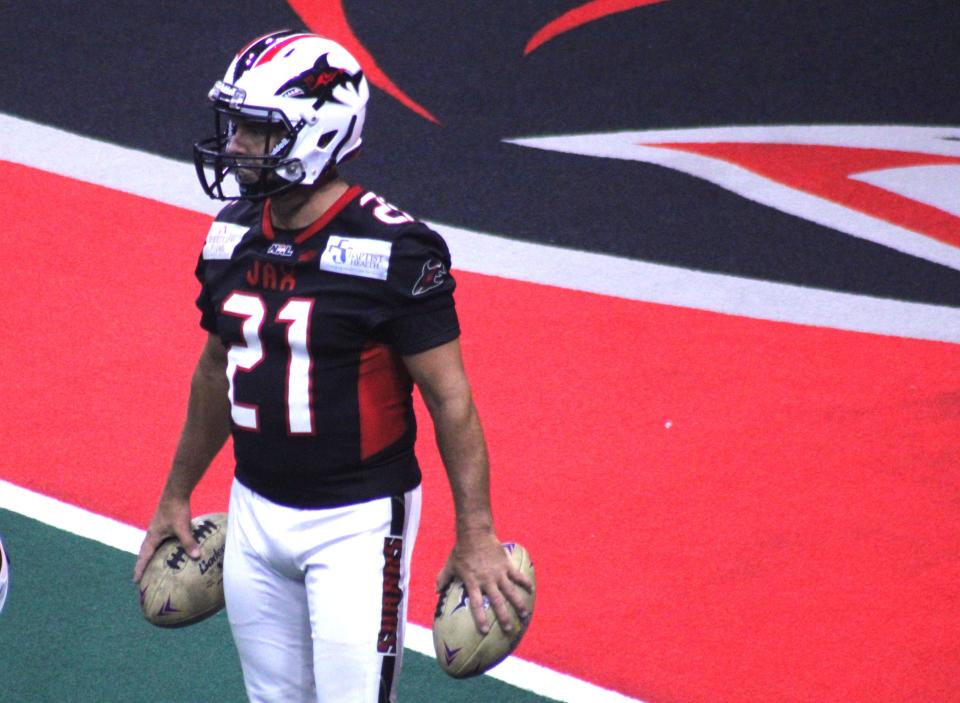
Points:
x=320 y=82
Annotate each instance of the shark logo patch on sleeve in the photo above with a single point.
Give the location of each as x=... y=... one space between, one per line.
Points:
x=433 y=275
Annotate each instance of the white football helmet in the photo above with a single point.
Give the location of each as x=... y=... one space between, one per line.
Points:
x=309 y=85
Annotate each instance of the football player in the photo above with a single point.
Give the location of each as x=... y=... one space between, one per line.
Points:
x=324 y=305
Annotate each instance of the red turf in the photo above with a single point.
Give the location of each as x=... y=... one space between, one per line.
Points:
x=719 y=509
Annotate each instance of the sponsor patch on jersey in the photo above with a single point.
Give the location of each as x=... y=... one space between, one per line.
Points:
x=222 y=239
x=433 y=275
x=278 y=249
x=369 y=258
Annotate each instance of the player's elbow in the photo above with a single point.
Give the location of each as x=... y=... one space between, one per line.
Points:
x=448 y=402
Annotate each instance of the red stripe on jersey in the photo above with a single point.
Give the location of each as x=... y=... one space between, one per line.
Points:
x=328 y=216
x=269 y=232
x=382 y=389
x=265 y=224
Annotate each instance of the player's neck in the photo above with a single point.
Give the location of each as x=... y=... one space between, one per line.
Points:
x=300 y=207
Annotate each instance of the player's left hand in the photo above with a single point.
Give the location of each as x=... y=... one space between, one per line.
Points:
x=480 y=561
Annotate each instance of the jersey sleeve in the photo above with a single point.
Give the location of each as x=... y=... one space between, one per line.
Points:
x=208 y=315
x=225 y=233
x=419 y=312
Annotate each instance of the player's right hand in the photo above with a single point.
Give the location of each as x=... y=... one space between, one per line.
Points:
x=479 y=560
x=172 y=519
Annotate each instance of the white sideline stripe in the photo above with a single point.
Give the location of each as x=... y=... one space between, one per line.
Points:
x=83 y=523
x=669 y=285
x=529 y=676
x=70 y=518
x=174 y=183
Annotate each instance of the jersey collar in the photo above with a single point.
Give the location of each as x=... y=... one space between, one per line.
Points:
x=267 y=226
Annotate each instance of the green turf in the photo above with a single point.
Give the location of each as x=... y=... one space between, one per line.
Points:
x=71 y=632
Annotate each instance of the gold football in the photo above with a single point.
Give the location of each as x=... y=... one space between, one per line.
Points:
x=461 y=649
x=175 y=590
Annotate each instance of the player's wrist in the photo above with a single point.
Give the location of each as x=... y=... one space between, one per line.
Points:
x=175 y=494
x=475 y=530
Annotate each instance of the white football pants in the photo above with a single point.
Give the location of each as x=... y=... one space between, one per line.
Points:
x=317 y=599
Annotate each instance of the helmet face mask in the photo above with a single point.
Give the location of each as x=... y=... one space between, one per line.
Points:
x=248 y=176
x=303 y=91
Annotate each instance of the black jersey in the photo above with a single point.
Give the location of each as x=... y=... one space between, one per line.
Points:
x=315 y=322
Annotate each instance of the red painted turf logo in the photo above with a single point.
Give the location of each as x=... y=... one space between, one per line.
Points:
x=893 y=185
x=330 y=19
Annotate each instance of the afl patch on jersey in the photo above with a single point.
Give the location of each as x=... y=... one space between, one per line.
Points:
x=222 y=239
x=278 y=249
x=369 y=258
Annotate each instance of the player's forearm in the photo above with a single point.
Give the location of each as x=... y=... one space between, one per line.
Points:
x=204 y=432
x=464 y=453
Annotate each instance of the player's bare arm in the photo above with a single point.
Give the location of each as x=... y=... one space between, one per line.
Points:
x=204 y=433
x=477 y=557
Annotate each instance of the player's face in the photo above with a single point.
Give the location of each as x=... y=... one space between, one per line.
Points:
x=252 y=138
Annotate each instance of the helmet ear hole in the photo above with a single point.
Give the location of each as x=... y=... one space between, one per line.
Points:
x=325 y=139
